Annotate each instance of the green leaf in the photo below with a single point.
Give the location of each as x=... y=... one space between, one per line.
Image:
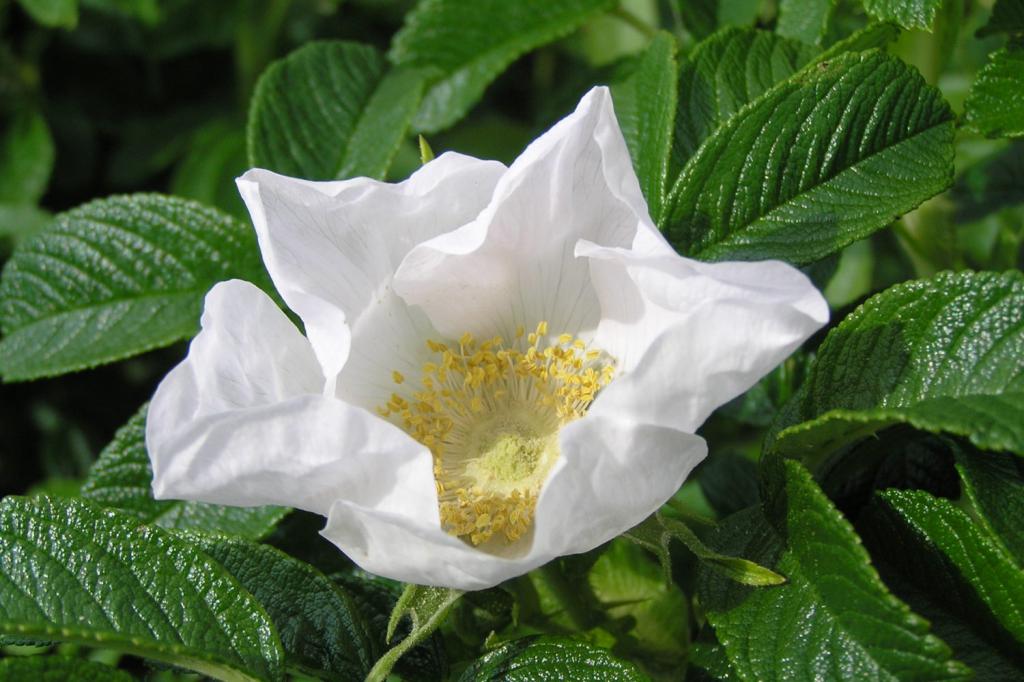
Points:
x=114 y=278
x=838 y=151
x=871 y=36
x=946 y=356
x=74 y=573
x=19 y=222
x=710 y=662
x=995 y=105
x=1007 y=17
x=121 y=479
x=53 y=13
x=215 y=157
x=729 y=482
x=986 y=661
x=906 y=13
x=331 y=110
x=472 y=43
x=902 y=458
x=59 y=669
x=833 y=619
x=991 y=185
x=703 y=17
x=26 y=159
x=657 y=533
x=940 y=549
x=632 y=589
x=550 y=658
x=723 y=74
x=805 y=20
x=994 y=483
x=645 y=105
x=321 y=629
x=700 y=17
x=426 y=608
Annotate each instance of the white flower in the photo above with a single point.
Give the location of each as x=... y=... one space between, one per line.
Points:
x=421 y=302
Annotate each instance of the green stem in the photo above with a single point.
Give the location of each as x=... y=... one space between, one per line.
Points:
x=620 y=12
x=688 y=516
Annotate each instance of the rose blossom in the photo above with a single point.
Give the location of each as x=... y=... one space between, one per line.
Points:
x=501 y=365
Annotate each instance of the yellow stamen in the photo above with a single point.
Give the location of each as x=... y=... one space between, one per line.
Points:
x=491 y=415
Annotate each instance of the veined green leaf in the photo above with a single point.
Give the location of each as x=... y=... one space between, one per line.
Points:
x=946 y=355
x=114 y=278
x=321 y=629
x=54 y=13
x=724 y=73
x=59 y=669
x=331 y=110
x=1007 y=17
x=74 y=573
x=471 y=43
x=426 y=608
x=834 y=618
x=710 y=659
x=121 y=478
x=805 y=20
x=986 y=661
x=819 y=161
x=871 y=36
x=703 y=17
x=944 y=553
x=645 y=105
x=995 y=105
x=994 y=483
x=906 y=13
x=26 y=159
x=554 y=658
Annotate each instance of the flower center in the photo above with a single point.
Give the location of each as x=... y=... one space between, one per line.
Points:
x=490 y=412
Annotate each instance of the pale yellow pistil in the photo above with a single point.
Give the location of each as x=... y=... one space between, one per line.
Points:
x=490 y=412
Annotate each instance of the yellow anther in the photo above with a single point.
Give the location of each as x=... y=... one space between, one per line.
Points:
x=490 y=414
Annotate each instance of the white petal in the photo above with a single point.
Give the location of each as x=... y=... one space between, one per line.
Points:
x=242 y=421
x=611 y=476
x=690 y=336
x=332 y=248
x=304 y=452
x=514 y=265
x=415 y=550
x=248 y=353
